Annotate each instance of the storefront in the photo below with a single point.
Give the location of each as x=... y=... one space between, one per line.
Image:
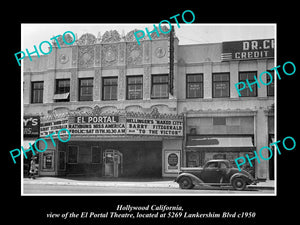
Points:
x=200 y=149
x=116 y=145
x=228 y=136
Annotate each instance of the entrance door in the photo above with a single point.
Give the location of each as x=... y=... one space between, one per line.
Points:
x=113 y=163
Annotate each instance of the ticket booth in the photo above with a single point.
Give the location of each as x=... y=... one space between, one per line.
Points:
x=113 y=163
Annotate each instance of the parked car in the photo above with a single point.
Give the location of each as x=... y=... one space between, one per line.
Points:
x=214 y=172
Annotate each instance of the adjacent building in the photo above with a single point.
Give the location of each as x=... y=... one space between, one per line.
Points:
x=146 y=110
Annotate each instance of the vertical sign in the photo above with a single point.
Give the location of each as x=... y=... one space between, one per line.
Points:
x=171 y=65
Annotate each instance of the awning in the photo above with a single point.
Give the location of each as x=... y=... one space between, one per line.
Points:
x=243 y=143
x=25 y=144
x=62 y=96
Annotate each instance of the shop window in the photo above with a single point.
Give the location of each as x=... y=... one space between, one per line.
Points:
x=86 y=89
x=134 y=87
x=72 y=154
x=110 y=88
x=270 y=87
x=194 y=85
x=220 y=83
x=96 y=154
x=62 y=90
x=37 y=89
x=160 y=86
x=243 y=76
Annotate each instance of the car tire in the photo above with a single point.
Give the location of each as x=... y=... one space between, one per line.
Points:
x=239 y=183
x=186 y=183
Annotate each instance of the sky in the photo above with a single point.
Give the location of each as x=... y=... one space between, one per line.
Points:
x=34 y=34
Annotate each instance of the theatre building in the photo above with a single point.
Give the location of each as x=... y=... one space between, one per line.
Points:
x=147 y=110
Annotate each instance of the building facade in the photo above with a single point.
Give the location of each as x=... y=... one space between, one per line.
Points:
x=129 y=118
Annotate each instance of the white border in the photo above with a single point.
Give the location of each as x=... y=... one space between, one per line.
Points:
x=150 y=194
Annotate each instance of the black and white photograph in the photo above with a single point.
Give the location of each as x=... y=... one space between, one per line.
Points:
x=149 y=117
x=107 y=111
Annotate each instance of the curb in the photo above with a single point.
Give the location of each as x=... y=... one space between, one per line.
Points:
x=163 y=184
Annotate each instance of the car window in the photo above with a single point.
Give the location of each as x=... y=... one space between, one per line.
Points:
x=223 y=165
x=212 y=165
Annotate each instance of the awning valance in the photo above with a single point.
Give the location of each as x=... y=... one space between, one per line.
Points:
x=219 y=142
x=26 y=143
x=61 y=96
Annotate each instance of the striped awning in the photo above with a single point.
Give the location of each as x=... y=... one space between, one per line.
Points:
x=211 y=142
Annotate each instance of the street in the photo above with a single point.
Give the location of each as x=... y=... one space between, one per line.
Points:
x=100 y=190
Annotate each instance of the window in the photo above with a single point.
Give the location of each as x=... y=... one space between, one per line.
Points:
x=96 y=154
x=86 y=89
x=72 y=154
x=270 y=87
x=160 y=86
x=194 y=85
x=37 y=89
x=220 y=85
x=246 y=92
x=134 y=87
x=62 y=93
x=110 y=88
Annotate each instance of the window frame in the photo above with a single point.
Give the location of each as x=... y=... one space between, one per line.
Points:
x=85 y=97
x=109 y=85
x=159 y=83
x=194 y=82
x=33 y=90
x=271 y=85
x=135 y=84
x=58 y=91
x=218 y=82
x=254 y=87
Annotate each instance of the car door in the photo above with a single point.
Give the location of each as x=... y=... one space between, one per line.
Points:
x=211 y=173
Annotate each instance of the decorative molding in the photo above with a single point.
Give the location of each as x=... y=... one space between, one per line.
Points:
x=87 y=39
x=160 y=52
x=63 y=59
x=109 y=54
x=111 y=36
x=86 y=56
x=97 y=55
x=134 y=53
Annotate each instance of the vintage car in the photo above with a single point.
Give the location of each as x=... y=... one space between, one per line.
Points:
x=214 y=172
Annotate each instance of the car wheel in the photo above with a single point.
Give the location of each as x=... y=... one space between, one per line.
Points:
x=239 y=183
x=186 y=183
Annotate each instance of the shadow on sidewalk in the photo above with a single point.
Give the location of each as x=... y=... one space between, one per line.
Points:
x=118 y=179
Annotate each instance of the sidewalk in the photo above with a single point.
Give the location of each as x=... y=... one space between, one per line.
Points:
x=123 y=182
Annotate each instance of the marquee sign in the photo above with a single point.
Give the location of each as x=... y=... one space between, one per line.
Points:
x=157 y=127
x=248 y=49
x=96 y=124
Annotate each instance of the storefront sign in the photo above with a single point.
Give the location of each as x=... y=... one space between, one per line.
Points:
x=247 y=50
x=31 y=126
x=158 y=127
x=49 y=127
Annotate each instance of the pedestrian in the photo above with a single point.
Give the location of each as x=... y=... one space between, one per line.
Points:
x=33 y=168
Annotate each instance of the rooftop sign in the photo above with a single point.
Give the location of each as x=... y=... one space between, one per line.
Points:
x=248 y=49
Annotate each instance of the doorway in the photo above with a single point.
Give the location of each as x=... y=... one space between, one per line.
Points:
x=112 y=163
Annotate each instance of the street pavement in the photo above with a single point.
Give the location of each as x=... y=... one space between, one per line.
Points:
x=44 y=189
x=82 y=185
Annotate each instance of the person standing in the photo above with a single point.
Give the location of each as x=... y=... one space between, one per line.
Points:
x=32 y=169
